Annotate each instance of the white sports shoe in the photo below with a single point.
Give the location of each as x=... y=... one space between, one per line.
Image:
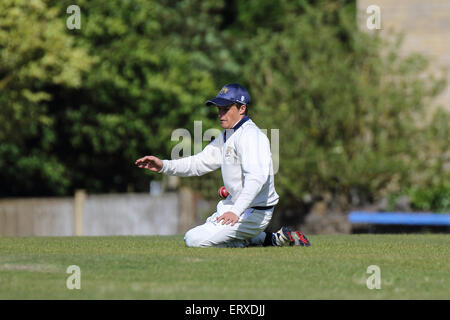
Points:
x=286 y=237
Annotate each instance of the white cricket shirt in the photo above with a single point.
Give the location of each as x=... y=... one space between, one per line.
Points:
x=245 y=160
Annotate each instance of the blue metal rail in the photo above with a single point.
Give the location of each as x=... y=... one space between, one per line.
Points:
x=400 y=218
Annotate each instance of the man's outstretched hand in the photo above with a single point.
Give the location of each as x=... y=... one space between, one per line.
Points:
x=150 y=162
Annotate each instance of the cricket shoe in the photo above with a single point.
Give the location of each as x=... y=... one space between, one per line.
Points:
x=286 y=237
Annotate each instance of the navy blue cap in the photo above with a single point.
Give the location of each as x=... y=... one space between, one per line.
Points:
x=230 y=94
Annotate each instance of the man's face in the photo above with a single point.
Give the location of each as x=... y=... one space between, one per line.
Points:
x=230 y=115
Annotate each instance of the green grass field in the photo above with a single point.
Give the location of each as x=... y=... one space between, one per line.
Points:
x=160 y=267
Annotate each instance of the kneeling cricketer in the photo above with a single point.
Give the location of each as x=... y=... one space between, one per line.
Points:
x=242 y=152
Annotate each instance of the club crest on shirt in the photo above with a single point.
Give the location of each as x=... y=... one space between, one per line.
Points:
x=230 y=156
x=229 y=152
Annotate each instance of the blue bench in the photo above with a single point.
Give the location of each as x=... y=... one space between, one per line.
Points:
x=400 y=218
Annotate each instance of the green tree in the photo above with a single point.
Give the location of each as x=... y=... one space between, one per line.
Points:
x=79 y=106
x=147 y=82
x=349 y=109
x=35 y=55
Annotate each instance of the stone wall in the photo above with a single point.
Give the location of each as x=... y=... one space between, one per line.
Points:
x=425 y=25
x=102 y=215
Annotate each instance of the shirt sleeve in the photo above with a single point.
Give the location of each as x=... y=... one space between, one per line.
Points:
x=209 y=159
x=255 y=157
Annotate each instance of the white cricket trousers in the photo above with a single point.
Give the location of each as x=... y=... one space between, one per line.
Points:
x=247 y=231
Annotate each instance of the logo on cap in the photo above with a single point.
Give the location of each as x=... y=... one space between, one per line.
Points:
x=230 y=93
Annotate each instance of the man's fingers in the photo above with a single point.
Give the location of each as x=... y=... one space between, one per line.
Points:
x=144 y=159
x=226 y=220
x=221 y=218
x=140 y=160
x=145 y=162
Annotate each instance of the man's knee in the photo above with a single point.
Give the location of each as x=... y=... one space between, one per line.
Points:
x=193 y=239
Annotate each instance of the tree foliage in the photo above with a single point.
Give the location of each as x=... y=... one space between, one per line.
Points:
x=35 y=54
x=351 y=112
x=79 y=106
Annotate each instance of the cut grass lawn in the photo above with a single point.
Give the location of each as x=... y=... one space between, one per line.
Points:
x=413 y=266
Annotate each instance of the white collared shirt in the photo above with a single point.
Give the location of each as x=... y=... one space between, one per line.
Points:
x=245 y=160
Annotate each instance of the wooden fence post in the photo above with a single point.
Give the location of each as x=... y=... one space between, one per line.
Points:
x=80 y=196
x=187 y=209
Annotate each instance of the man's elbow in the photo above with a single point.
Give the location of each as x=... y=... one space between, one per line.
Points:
x=256 y=180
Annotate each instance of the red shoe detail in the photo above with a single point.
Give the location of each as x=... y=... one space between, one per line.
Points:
x=302 y=238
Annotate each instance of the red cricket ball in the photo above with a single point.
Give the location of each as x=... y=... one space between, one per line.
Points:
x=223 y=193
